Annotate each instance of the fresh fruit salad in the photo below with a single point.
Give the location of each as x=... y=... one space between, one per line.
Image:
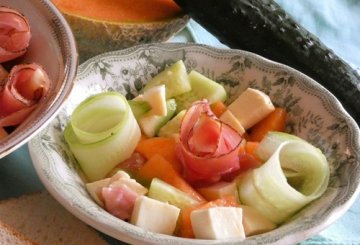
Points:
x=179 y=160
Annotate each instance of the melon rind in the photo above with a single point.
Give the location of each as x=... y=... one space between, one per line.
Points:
x=94 y=37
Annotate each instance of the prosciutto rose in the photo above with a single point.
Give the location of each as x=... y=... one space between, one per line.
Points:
x=14 y=34
x=208 y=148
x=24 y=87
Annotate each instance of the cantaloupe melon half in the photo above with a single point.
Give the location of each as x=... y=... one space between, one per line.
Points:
x=104 y=25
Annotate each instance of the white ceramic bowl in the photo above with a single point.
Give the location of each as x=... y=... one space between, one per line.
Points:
x=314 y=114
x=53 y=47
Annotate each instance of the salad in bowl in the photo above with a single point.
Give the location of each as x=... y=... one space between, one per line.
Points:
x=178 y=143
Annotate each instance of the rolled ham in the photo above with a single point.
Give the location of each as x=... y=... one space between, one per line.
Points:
x=119 y=201
x=208 y=148
x=14 y=34
x=120 y=195
x=19 y=96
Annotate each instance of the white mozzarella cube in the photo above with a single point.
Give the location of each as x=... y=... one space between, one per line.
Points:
x=229 y=118
x=94 y=189
x=156 y=97
x=251 y=107
x=155 y=216
x=218 y=223
x=131 y=184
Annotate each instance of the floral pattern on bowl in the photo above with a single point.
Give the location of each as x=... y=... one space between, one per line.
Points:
x=314 y=114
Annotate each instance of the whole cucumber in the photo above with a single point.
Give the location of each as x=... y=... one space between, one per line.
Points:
x=263 y=27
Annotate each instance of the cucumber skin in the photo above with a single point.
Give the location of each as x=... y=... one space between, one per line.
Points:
x=263 y=27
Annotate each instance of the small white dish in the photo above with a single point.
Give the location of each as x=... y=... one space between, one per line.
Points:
x=314 y=114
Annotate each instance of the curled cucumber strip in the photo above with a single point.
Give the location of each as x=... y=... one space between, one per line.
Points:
x=102 y=133
x=271 y=142
x=295 y=174
x=99 y=116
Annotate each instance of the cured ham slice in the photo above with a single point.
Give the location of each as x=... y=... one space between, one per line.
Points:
x=14 y=34
x=25 y=86
x=120 y=194
x=208 y=148
x=17 y=117
x=119 y=201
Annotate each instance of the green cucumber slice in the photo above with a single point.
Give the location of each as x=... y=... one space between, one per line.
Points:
x=174 y=78
x=139 y=108
x=95 y=140
x=272 y=141
x=268 y=190
x=165 y=192
x=201 y=88
x=173 y=126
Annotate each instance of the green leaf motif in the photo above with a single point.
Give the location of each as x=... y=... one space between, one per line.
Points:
x=247 y=63
x=291 y=80
x=104 y=68
x=138 y=85
x=266 y=85
x=129 y=95
x=279 y=81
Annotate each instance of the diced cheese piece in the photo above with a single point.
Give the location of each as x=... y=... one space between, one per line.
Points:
x=229 y=118
x=254 y=222
x=218 y=223
x=251 y=107
x=131 y=184
x=120 y=174
x=94 y=189
x=156 y=98
x=218 y=190
x=121 y=178
x=154 y=215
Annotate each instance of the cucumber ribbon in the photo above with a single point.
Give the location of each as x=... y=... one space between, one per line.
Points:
x=294 y=174
x=102 y=133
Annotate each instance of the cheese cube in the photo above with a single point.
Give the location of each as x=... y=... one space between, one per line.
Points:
x=121 y=178
x=154 y=215
x=156 y=98
x=94 y=189
x=251 y=107
x=229 y=118
x=218 y=223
